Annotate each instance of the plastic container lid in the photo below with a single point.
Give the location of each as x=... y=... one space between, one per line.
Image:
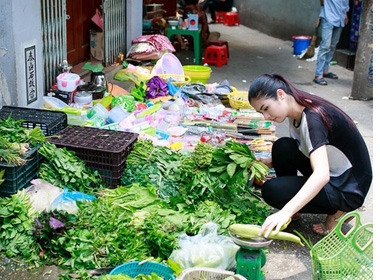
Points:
x=117 y=114
x=168 y=64
x=54 y=103
x=98 y=111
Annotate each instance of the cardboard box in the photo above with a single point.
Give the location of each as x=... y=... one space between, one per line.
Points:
x=97 y=45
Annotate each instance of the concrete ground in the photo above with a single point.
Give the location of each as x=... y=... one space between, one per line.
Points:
x=253 y=53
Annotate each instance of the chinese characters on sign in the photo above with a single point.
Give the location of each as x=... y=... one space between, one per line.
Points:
x=31 y=78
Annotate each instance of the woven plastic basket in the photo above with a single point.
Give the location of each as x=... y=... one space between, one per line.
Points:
x=197 y=273
x=341 y=255
x=135 y=268
x=239 y=100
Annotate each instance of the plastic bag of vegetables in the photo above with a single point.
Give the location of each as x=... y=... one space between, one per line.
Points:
x=206 y=249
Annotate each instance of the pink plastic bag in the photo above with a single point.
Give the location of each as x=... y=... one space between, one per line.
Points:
x=98 y=19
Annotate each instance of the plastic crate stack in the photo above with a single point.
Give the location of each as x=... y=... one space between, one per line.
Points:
x=103 y=150
x=50 y=122
x=18 y=177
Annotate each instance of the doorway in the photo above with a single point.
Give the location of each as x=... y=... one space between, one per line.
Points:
x=78 y=25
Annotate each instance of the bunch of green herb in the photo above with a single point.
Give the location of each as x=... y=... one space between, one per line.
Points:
x=64 y=169
x=196 y=184
x=153 y=165
x=16 y=141
x=14 y=132
x=48 y=226
x=13 y=153
x=16 y=227
x=203 y=154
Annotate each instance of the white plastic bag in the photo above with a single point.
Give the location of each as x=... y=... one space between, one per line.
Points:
x=41 y=194
x=206 y=249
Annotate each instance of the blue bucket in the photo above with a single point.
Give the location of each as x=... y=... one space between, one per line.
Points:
x=300 y=43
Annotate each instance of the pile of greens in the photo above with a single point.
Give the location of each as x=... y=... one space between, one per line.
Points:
x=16 y=141
x=163 y=195
x=204 y=175
x=64 y=169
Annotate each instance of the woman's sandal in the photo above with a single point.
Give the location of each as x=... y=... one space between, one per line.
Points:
x=296 y=217
x=320 y=81
x=330 y=219
x=330 y=75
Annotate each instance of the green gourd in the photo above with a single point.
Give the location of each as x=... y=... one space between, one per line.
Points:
x=252 y=231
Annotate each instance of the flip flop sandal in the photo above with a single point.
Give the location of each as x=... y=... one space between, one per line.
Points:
x=296 y=216
x=325 y=231
x=320 y=81
x=330 y=75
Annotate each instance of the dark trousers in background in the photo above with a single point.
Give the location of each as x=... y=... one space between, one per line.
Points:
x=214 y=6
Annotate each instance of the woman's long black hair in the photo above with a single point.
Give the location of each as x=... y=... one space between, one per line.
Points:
x=266 y=86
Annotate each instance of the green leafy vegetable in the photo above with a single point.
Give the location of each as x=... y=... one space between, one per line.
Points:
x=64 y=169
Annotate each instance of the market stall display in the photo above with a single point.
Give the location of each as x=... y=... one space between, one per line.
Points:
x=157 y=159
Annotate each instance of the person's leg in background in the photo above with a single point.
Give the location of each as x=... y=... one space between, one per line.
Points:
x=211 y=5
x=335 y=36
x=324 y=50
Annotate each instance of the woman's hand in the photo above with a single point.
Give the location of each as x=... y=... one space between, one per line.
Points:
x=267 y=161
x=274 y=222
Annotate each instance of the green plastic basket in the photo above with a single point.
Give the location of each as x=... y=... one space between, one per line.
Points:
x=135 y=268
x=341 y=255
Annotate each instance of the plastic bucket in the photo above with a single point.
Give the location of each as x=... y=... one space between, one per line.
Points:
x=198 y=73
x=168 y=64
x=300 y=43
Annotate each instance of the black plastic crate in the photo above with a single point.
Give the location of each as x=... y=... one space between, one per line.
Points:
x=111 y=174
x=97 y=147
x=50 y=122
x=18 y=177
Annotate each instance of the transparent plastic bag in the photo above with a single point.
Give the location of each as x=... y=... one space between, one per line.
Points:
x=67 y=201
x=206 y=249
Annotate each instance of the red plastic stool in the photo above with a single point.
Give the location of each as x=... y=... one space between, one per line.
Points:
x=216 y=55
x=220 y=16
x=231 y=19
x=220 y=43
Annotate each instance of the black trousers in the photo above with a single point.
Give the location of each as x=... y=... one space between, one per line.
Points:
x=288 y=162
x=216 y=6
